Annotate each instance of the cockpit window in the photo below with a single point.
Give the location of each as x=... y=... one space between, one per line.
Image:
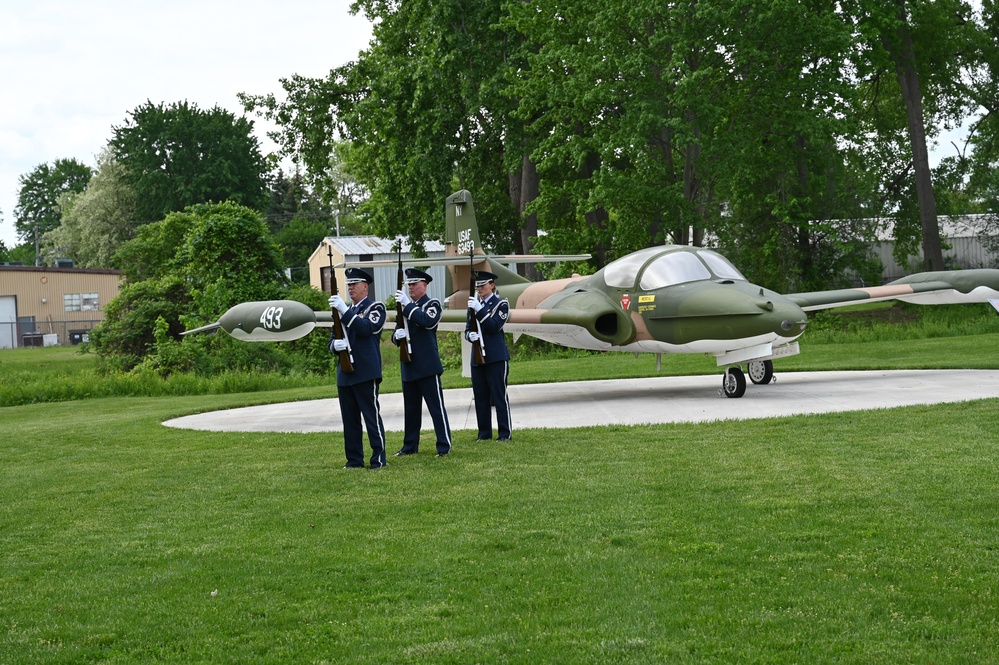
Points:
x=621 y=274
x=668 y=265
x=720 y=266
x=673 y=268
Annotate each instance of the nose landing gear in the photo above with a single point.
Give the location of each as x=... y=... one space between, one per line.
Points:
x=734 y=381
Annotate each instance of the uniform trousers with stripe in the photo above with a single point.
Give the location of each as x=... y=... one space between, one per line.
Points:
x=356 y=402
x=414 y=394
x=489 y=389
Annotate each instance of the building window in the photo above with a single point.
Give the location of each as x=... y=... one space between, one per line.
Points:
x=81 y=302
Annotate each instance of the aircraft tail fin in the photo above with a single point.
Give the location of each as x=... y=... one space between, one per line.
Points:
x=462 y=231
x=462 y=240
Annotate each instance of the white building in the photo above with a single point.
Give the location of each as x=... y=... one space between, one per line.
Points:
x=372 y=248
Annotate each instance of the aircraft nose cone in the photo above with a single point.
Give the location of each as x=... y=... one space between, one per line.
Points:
x=793 y=320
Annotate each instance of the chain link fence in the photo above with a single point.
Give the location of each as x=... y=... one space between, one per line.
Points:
x=45 y=333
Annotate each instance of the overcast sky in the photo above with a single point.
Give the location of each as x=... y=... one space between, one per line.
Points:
x=72 y=69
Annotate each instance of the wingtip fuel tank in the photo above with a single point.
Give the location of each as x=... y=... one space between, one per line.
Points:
x=265 y=321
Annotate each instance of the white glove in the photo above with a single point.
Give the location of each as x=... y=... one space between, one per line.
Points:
x=400 y=333
x=473 y=336
x=339 y=345
x=402 y=298
x=337 y=303
x=474 y=303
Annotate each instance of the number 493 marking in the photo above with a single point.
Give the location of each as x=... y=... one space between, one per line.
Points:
x=271 y=317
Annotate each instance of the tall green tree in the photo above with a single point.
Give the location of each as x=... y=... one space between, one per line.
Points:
x=921 y=46
x=97 y=221
x=425 y=112
x=298 y=221
x=611 y=125
x=37 y=211
x=666 y=114
x=782 y=157
x=978 y=165
x=178 y=155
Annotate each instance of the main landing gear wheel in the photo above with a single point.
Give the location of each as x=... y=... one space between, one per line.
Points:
x=734 y=382
x=761 y=371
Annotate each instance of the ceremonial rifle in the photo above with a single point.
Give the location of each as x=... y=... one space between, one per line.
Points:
x=346 y=356
x=405 y=348
x=479 y=345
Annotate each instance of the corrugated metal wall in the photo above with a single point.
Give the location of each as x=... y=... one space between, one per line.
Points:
x=964 y=253
x=40 y=295
x=364 y=248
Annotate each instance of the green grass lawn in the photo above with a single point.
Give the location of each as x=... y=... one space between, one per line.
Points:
x=865 y=537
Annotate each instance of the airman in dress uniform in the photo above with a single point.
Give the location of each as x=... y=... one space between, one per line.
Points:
x=362 y=322
x=489 y=378
x=421 y=376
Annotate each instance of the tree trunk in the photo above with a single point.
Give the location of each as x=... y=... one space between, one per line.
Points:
x=803 y=231
x=691 y=188
x=528 y=221
x=908 y=79
x=599 y=217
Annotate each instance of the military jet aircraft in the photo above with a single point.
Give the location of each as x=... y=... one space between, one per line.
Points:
x=660 y=300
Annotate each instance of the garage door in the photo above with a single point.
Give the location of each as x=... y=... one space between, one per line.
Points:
x=8 y=321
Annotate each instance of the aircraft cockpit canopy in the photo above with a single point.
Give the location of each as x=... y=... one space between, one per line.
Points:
x=668 y=265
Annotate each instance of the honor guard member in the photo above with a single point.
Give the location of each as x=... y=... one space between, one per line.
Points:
x=421 y=376
x=489 y=378
x=362 y=322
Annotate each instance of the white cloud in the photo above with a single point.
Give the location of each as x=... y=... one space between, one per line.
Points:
x=72 y=70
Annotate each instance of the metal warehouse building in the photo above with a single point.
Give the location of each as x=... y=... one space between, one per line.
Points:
x=372 y=248
x=41 y=306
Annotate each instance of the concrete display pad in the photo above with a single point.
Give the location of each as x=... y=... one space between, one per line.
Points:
x=673 y=399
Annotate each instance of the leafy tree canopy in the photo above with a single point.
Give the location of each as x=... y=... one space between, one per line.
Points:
x=189 y=267
x=37 y=208
x=773 y=127
x=96 y=222
x=178 y=155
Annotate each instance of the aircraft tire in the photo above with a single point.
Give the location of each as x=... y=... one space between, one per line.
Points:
x=760 y=371
x=734 y=382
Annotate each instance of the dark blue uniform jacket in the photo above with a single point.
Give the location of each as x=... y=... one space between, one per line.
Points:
x=492 y=317
x=362 y=323
x=423 y=317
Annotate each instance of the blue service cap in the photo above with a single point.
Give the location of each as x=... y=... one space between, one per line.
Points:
x=355 y=275
x=416 y=275
x=484 y=277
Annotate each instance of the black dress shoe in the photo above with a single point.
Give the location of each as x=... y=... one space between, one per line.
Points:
x=375 y=467
x=484 y=438
x=352 y=466
x=403 y=453
x=505 y=439
x=441 y=454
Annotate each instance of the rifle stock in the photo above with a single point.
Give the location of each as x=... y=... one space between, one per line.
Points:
x=346 y=357
x=478 y=346
x=405 y=348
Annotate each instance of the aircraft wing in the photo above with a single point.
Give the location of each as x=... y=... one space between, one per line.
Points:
x=475 y=259
x=945 y=287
